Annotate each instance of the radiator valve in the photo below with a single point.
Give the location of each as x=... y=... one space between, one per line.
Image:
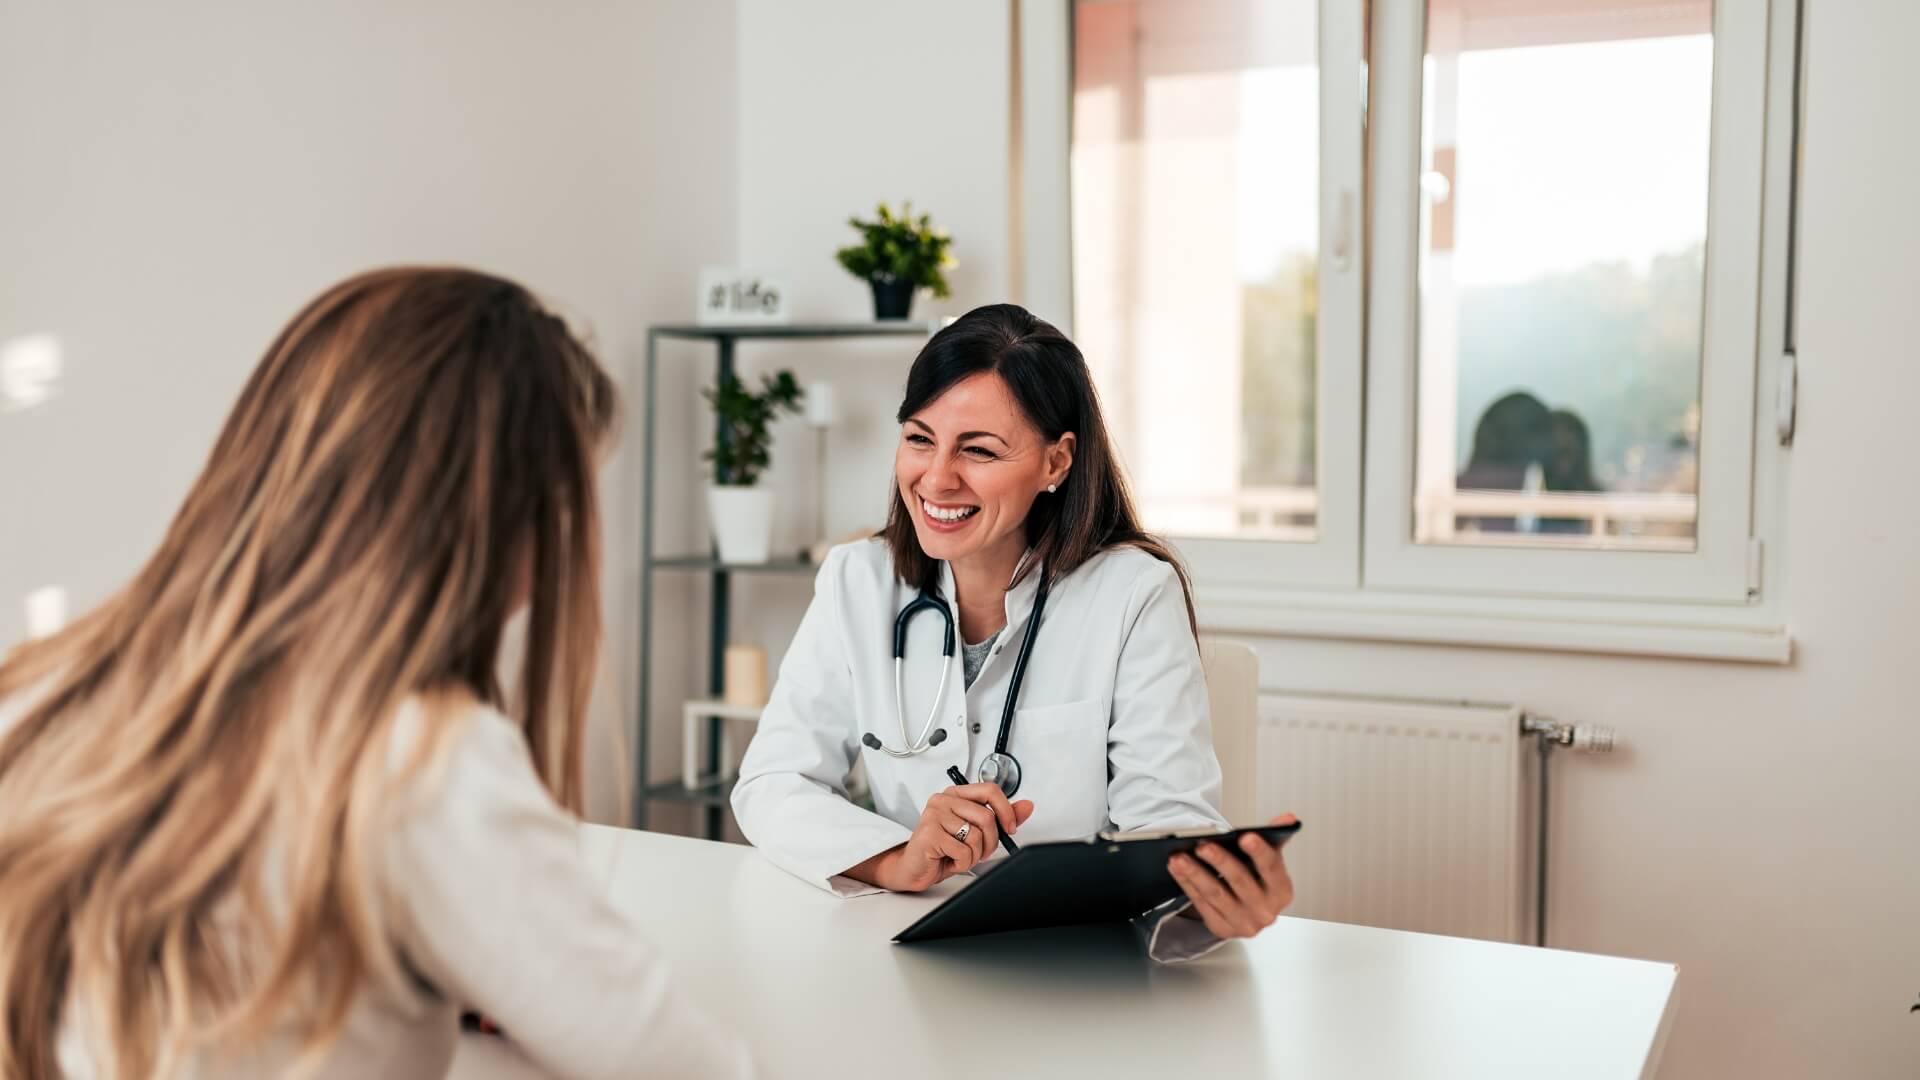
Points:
x=1580 y=738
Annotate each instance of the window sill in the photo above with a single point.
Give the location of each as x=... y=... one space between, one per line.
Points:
x=1738 y=634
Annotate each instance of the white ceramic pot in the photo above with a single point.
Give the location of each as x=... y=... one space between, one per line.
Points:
x=742 y=520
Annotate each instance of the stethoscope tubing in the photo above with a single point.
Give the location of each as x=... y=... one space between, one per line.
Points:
x=1004 y=764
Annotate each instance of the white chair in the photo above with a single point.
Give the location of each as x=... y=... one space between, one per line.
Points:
x=1233 y=690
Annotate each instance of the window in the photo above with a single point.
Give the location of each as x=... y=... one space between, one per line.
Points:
x=1196 y=188
x=1562 y=261
x=1534 y=226
x=1215 y=180
x=1567 y=278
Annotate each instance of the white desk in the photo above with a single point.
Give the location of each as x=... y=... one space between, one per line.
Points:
x=812 y=980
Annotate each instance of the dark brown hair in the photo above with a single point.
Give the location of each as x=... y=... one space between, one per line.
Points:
x=1048 y=377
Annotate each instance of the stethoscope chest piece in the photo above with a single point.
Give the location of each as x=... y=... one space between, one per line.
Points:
x=1002 y=769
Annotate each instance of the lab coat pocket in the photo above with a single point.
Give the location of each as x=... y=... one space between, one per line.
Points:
x=1063 y=769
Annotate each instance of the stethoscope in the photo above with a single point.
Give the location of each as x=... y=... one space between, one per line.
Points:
x=998 y=767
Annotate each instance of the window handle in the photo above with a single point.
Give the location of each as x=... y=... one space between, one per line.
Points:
x=1343 y=232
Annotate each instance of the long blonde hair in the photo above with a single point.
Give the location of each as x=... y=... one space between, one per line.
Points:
x=413 y=456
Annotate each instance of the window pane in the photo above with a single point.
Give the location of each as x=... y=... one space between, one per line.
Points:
x=1195 y=188
x=1564 y=147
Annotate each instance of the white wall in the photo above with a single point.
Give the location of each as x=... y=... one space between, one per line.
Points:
x=1758 y=827
x=179 y=177
x=844 y=103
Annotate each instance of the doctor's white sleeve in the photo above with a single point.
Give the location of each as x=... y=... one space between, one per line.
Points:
x=491 y=903
x=1164 y=774
x=791 y=798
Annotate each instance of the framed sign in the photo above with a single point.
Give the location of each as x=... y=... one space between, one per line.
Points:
x=736 y=297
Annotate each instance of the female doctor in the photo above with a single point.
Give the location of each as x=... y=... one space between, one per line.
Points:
x=1012 y=623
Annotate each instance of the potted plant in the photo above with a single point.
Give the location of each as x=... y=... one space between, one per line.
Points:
x=897 y=255
x=741 y=511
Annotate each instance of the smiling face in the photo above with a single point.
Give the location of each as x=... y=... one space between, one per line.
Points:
x=969 y=467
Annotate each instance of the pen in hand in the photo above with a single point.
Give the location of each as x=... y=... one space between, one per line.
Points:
x=954 y=774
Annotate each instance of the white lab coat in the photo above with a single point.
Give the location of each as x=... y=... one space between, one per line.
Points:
x=1111 y=729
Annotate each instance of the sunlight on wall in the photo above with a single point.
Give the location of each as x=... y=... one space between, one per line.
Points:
x=46 y=611
x=29 y=371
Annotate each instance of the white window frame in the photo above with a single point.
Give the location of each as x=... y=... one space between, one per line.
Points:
x=1723 y=602
x=1716 y=570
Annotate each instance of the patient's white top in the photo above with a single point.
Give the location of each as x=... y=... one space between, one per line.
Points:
x=494 y=909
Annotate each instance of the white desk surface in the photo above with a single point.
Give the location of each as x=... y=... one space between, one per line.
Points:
x=816 y=986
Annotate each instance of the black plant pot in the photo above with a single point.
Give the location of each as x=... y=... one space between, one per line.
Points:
x=893 y=298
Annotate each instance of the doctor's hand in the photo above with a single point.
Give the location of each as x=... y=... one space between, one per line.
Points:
x=960 y=827
x=1232 y=899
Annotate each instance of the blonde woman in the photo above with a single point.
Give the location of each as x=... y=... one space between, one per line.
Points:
x=267 y=810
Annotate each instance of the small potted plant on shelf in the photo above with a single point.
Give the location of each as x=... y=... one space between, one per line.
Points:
x=898 y=255
x=742 y=511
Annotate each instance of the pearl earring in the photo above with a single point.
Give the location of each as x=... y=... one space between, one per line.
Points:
x=1051 y=488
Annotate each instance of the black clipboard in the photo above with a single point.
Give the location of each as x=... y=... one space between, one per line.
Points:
x=1104 y=879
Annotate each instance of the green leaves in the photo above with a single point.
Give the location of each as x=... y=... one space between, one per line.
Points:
x=900 y=247
x=740 y=457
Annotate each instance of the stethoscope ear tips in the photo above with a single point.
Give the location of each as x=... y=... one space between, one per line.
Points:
x=872 y=740
x=939 y=736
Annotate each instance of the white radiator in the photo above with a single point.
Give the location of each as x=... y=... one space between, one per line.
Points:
x=1418 y=816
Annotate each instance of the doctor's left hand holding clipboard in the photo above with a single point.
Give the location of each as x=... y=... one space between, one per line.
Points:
x=959 y=828
x=1235 y=896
